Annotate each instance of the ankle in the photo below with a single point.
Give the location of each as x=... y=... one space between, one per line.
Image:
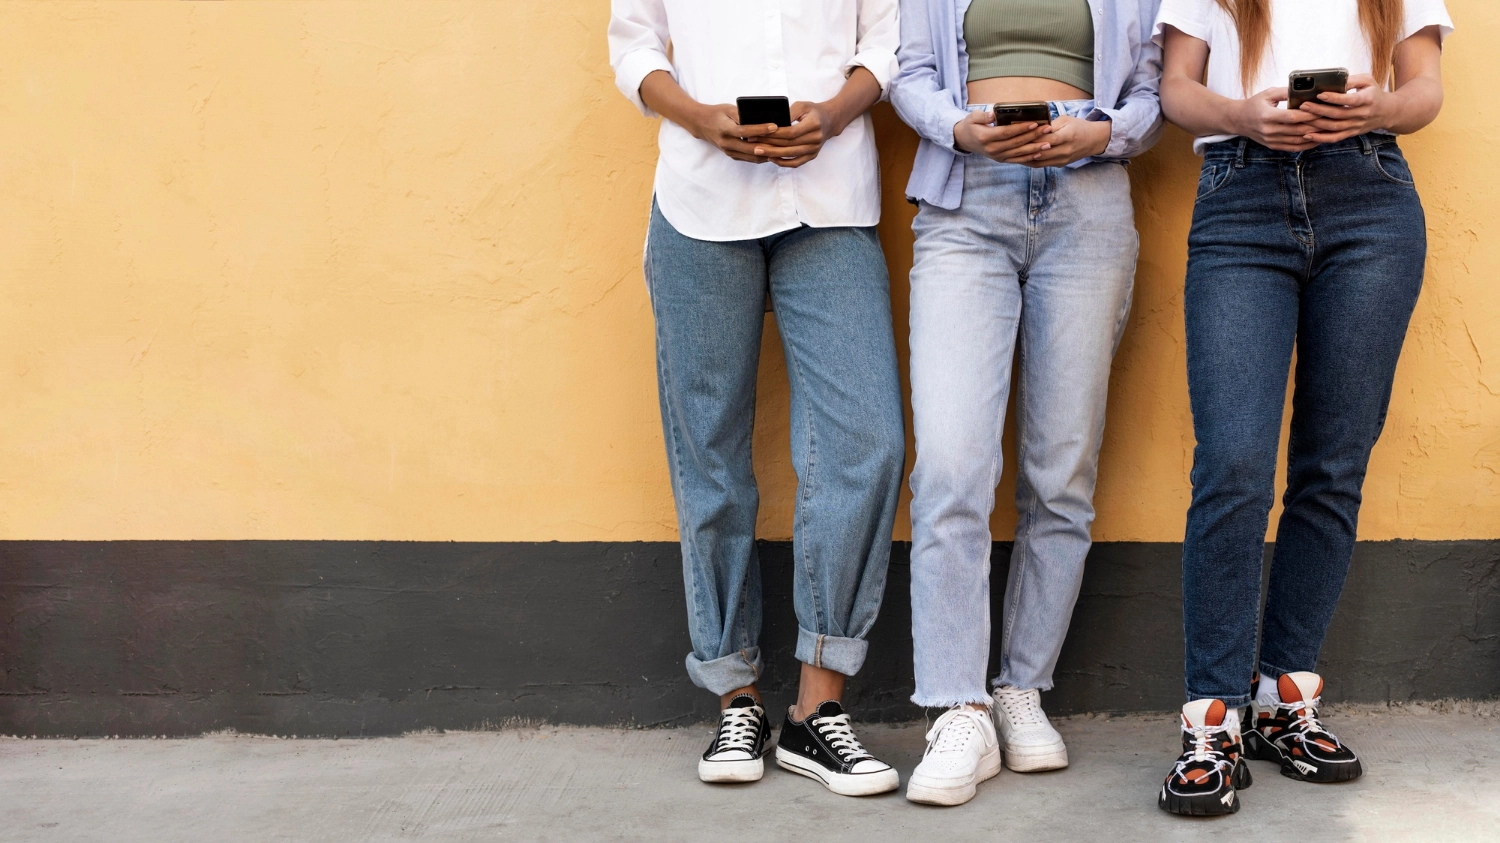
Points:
x=749 y=690
x=801 y=711
x=816 y=686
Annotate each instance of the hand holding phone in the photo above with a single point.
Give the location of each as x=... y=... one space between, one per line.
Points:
x=1365 y=106
x=977 y=133
x=802 y=129
x=1261 y=118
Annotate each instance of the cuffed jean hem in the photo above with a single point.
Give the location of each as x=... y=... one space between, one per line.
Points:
x=726 y=673
x=843 y=655
x=930 y=701
x=1235 y=701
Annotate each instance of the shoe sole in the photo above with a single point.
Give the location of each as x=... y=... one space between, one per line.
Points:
x=1033 y=760
x=729 y=772
x=1257 y=747
x=989 y=767
x=844 y=784
x=1208 y=804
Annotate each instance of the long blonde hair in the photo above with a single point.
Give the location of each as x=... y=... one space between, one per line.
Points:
x=1380 y=19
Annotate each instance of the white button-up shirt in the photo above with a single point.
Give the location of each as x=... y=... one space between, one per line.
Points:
x=722 y=50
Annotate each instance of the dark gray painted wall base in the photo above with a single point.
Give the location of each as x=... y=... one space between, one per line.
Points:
x=372 y=638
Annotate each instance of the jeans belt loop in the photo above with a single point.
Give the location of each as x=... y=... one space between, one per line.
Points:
x=1239 y=155
x=1367 y=144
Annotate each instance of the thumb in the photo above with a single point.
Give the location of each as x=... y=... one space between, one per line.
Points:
x=1275 y=95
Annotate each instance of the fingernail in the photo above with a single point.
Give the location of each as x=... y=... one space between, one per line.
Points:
x=1046 y=146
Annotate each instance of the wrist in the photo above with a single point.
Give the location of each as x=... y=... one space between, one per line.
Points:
x=835 y=118
x=1239 y=124
x=1387 y=110
x=1104 y=132
x=958 y=136
x=697 y=115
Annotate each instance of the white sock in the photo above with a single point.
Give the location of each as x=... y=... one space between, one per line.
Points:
x=1266 y=694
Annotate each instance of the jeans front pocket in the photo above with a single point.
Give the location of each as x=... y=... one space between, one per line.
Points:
x=1391 y=164
x=1214 y=175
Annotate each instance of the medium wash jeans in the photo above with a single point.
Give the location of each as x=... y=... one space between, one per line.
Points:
x=1043 y=259
x=831 y=295
x=1322 y=251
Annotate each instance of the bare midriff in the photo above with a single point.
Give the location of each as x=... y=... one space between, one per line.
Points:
x=1022 y=89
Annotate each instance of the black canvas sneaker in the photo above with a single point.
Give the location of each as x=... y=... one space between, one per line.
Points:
x=1205 y=780
x=1290 y=734
x=740 y=744
x=824 y=747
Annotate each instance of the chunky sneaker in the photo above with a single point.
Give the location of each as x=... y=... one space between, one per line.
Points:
x=962 y=751
x=1289 y=733
x=824 y=747
x=1204 y=780
x=1031 y=744
x=740 y=744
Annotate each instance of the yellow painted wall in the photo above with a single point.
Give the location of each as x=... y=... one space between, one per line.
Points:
x=371 y=270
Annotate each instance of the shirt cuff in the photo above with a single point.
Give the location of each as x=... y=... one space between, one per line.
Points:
x=1118 y=139
x=633 y=69
x=881 y=64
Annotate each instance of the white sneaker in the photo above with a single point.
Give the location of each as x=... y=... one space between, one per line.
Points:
x=1031 y=744
x=962 y=751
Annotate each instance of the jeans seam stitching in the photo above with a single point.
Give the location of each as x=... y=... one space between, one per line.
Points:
x=664 y=381
x=805 y=491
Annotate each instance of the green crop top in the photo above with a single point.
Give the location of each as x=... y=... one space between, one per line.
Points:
x=1050 y=39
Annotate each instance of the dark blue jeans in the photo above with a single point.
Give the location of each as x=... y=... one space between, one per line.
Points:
x=1321 y=251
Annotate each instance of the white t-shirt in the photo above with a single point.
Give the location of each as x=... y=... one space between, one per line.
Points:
x=1305 y=35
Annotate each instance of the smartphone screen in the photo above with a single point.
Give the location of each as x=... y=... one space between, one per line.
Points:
x=1010 y=113
x=755 y=110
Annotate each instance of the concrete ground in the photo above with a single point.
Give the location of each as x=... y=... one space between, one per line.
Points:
x=1433 y=774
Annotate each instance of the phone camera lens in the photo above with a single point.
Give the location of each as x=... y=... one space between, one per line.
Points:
x=1303 y=84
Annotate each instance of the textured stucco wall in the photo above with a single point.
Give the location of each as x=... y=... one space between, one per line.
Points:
x=370 y=270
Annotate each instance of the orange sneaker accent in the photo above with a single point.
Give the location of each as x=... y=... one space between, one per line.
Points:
x=1212 y=716
x=1286 y=686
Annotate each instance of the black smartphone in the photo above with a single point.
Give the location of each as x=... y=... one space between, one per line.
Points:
x=1305 y=85
x=755 y=110
x=1007 y=113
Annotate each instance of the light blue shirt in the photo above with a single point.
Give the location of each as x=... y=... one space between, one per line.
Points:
x=930 y=90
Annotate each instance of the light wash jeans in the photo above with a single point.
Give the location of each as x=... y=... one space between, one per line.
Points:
x=831 y=295
x=1043 y=259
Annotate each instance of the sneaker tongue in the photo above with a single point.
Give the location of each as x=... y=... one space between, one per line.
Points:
x=1199 y=713
x=831 y=708
x=742 y=701
x=1302 y=686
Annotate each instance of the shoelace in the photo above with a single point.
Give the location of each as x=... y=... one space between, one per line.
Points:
x=738 y=730
x=1203 y=750
x=840 y=736
x=1023 y=708
x=953 y=730
x=1307 y=721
